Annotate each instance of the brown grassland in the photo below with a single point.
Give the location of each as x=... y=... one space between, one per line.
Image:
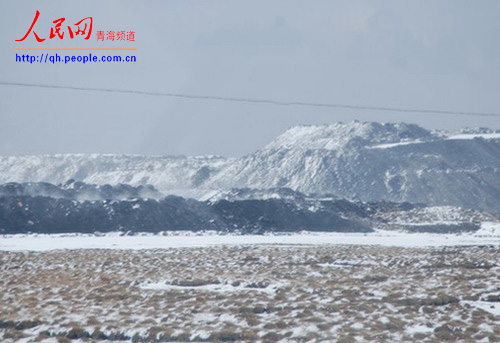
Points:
x=252 y=294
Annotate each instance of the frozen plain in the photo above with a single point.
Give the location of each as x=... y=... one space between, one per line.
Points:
x=489 y=234
x=384 y=286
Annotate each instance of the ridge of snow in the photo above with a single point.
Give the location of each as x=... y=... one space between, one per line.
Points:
x=166 y=173
x=339 y=135
x=475 y=135
x=450 y=137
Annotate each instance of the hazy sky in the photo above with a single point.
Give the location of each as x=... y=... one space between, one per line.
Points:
x=415 y=54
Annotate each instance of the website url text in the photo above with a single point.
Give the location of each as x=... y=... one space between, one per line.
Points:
x=56 y=58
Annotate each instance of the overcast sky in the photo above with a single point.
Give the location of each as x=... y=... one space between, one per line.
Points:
x=414 y=54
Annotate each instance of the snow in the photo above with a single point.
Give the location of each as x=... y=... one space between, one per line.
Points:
x=215 y=287
x=392 y=145
x=489 y=229
x=489 y=236
x=137 y=292
x=491 y=307
x=476 y=135
x=451 y=137
x=351 y=161
x=348 y=160
x=169 y=174
x=344 y=264
x=418 y=328
x=336 y=136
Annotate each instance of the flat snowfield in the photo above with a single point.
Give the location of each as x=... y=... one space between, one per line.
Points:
x=488 y=235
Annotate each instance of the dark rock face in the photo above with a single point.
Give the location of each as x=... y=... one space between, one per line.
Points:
x=21 y=213
x=46 y=208
x=48 y=215
x=278 y=215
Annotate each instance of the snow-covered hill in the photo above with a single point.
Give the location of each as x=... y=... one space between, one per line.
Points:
x=358 y=160
x=372 y=161
x=341 y=137
x=170 y=174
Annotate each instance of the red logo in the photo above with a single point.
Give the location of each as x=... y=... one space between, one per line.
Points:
x=83 y=28
x=56 y=30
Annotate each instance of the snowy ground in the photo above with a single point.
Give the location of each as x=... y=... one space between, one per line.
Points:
x=252 y=293
x=488 y=235
x=381 y=287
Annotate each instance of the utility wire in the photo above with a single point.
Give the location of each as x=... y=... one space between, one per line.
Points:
x=257 y=101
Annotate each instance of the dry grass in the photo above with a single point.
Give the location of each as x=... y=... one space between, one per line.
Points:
x=251 y=293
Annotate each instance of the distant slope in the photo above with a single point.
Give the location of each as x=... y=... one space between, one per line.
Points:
x=372 y=161
x=359 y=160
x=169 y=174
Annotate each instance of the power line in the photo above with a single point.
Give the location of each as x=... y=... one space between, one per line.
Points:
x=258 y=101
